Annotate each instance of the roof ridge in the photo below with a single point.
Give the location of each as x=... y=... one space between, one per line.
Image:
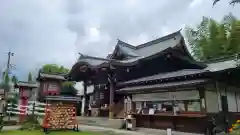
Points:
x=58 y=74
x=96 y=58
x=120 y=42
x=160 y=39
x=32 y=82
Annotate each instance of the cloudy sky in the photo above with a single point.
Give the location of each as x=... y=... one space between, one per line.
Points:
x=54 y=31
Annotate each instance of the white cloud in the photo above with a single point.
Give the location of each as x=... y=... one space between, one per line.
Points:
x=195 y=3
x=142 y=38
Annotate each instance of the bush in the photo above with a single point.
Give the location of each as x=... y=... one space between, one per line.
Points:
x=235 y=129
x=31 y=123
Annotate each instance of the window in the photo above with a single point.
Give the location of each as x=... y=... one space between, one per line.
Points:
x=193 y=106
x=183 y=100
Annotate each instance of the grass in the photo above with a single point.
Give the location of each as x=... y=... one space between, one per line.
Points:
x=19 y=132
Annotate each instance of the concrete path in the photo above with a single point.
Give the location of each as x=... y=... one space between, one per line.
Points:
x=140 y=131
x=7 y=128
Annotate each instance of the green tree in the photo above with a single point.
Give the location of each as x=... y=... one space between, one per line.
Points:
x=5 y=83
x=54 y=69
x=68 y=89
x=30 y=77
x=212 y=39
x=14 y=79
x=231 y=2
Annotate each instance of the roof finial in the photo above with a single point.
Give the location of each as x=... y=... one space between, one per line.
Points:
x=81 y=55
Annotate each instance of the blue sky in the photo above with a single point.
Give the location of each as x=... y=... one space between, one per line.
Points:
x=54 y=31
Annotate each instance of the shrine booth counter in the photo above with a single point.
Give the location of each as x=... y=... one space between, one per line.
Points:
x=61 y=112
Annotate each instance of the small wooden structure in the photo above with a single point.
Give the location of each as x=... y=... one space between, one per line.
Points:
x=60 y=113
x=27 y=92
x=50 y=84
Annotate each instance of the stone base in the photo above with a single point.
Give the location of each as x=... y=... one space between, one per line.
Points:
x=101 y=121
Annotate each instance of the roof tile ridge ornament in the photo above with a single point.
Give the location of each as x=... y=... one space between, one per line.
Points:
x=81 y=55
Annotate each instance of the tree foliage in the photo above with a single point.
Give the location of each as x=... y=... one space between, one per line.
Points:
x=5 y=82
x=212 y=39
x=54 y=69
x=30 y=77
x=14 y=79
x=68 y=89
x=231 y=2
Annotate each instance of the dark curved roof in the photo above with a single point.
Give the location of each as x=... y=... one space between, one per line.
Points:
x=134 y=53
x=172 y=43
x=148 y=48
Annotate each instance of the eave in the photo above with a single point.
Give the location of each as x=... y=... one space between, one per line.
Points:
x=43 y=76
x=26 y=84
x=161 y=87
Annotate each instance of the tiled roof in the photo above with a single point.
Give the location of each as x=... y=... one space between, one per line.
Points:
x=51 y=76
x=27 y=84
x=166 y=75
x=162 y=86
x=151 y=47
x=222 y=65
x=136 y=52
x=92 y=61
x=103 y=62
x=63 y=98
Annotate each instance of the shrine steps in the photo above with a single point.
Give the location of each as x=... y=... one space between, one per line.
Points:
x=101 y=121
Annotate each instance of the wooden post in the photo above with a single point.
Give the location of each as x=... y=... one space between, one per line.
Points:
x=111 y=97
x=83 y=110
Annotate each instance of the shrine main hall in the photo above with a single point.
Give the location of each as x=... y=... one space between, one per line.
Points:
x=159 y=83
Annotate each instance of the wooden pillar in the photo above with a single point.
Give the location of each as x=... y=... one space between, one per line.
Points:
x=111 y=97
x=84 y=105
x=23 y=104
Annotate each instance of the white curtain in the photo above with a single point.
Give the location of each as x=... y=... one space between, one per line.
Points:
x=211 y=101
x=165 y=96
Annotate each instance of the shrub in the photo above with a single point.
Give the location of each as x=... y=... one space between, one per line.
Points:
x=31 y=123
x=235 y=129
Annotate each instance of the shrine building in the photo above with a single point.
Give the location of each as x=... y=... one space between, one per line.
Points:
x=160 y=84
x=50 y=84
